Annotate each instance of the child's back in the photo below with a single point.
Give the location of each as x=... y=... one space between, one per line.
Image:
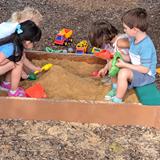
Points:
x=7 y=28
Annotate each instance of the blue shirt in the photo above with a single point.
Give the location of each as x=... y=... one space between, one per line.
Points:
x=7 y=49
x=144 y=53
x=6 y=29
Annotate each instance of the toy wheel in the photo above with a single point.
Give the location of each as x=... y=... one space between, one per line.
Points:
x=71 y=40
x=65 y=43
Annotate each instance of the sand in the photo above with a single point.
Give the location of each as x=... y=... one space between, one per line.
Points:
x=73 y=80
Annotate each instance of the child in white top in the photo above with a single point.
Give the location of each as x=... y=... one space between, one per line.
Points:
x=104 y=35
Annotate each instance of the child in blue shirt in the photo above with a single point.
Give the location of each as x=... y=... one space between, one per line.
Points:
x=7 y=28
x=12 y=52
x=142 y=69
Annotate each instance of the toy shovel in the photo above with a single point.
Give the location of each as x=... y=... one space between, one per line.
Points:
x=45 y=68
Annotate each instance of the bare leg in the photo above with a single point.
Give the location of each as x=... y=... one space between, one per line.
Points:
x=7 y=67
x=8 y=77
x=24 y=75
x=114 y=79
x=124 y=76
x=16 y=75
x=112 y=92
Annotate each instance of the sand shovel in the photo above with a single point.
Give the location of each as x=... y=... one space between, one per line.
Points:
x=46 y=67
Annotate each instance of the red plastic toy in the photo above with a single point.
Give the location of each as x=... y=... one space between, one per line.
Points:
x=36 y=91
x=104 y=54
x=95 y=74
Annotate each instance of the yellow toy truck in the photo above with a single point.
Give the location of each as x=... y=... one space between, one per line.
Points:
x=81 y=47
x=63 y=37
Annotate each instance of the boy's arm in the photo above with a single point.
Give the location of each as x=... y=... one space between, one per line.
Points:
x=147 y=58
x=123 y=43
x=138 y=68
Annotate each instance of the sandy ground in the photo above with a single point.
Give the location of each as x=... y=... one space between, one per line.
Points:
x=73 y=80
x=55 y=140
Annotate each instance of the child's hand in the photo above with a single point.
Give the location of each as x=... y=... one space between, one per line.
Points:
x=102 y=72
x=28 y=44
x=120 y=63
x=24 y=75
x=37 y=69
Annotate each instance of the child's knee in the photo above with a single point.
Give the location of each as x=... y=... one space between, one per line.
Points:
x=19 y=63
x=12 y=65
x=124 y=73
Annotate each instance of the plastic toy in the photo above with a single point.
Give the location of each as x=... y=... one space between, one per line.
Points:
x=70 y=50
x=95 y=49
x=50 y=50
x=158 y=70
x=114 y=69
x=148 y=94
x=63 y=37
x=81 y=47
x=46 y=67
x=104 y=54
x=36 y=91
x=51 y=42
x=32 y=77
x=95 y=74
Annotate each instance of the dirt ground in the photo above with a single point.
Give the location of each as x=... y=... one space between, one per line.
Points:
x=56 y=140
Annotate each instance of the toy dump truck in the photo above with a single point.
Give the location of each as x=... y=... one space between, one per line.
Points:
x=81 y=47
x=63 y=37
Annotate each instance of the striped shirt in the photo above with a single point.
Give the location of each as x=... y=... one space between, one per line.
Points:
x=144 y=53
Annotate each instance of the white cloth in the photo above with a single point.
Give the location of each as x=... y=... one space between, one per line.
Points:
x=7 y=28
x=121 y=36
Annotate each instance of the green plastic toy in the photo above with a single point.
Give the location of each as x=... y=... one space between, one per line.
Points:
x=114 y=69
x=148 y=94
x=32 y=76
x=50 y=50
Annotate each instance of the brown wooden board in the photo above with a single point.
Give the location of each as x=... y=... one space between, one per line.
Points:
x=89 y=58
x=78 y=111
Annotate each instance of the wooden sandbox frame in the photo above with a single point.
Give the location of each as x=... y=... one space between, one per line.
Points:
x=77 y=111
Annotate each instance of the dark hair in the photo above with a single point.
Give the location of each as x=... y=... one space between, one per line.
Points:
x=29 y=32
x=136 y=17
x=101 y=32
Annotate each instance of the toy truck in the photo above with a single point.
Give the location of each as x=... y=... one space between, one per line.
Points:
x=63 y=37
x=81 y=47
x=95 y=50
